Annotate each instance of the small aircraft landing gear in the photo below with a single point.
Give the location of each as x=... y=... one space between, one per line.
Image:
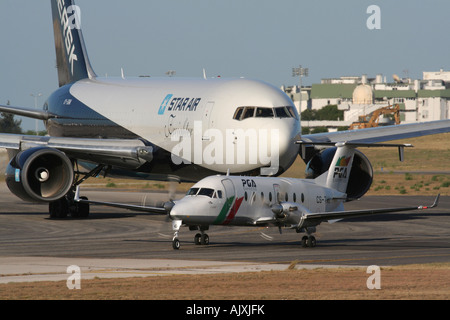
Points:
x=309 y=241
x=176 y=243
x=176 y=224
x=201 y=239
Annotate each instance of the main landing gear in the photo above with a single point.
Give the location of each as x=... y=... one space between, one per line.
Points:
x=67 y=205
x=308 y=241
x=199 y=239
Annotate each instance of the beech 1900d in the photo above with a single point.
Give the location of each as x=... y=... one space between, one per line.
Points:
x=156 y=128
x=300 y=204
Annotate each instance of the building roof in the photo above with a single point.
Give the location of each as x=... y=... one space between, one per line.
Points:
x=325 y=91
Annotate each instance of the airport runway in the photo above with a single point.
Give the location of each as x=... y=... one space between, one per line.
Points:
x=389 y=239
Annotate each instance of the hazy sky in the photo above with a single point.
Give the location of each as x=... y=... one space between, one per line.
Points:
x=259 y=39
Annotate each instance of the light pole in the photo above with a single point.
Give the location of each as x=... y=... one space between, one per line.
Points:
x=36 y=96
x=300 y=72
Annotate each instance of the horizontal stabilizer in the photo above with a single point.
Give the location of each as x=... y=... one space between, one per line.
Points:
x=28 y=112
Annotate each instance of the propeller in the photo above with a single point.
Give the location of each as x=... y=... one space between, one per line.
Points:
x=168 y=202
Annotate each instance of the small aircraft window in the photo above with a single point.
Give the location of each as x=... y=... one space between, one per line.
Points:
x=270 y=196
x=286 y=197
x=282 y=112
x=295 y=197
x=248 y=113
x=238 y=113
x=303 y=198
x=262 y=196
x=219 y=194
x=206 y=192
x=192 y=192
x=245 y=195
x=264 y=113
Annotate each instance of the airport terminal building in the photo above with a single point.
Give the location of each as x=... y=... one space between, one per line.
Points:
x=419 y=100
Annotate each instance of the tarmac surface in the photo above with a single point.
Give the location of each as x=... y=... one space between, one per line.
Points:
x=119 y=243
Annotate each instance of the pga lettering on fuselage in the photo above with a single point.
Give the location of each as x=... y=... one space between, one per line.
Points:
x=248 y=184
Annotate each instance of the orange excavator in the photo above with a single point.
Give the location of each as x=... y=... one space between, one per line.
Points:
x=373 y=119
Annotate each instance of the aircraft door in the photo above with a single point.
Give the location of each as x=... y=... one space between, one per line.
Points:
x=207 y=120
x=276 y=193
x=229 y=188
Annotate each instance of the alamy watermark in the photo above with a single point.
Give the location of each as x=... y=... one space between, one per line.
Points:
x=374 y=20
x=74 y=280
x=70 y=17
x=237 y=146
x=374 y=281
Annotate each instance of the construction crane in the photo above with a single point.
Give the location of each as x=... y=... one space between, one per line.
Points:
x=373 y=119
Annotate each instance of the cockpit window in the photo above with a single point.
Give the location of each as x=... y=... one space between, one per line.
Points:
x=292 y=112
x=192 y=192
x=248 y=113
x=264 y=112
x=238 y=113
x=206 y=192
x=282 y=112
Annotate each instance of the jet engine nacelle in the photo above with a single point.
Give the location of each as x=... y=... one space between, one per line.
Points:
x=361 y=173
x=40 y=174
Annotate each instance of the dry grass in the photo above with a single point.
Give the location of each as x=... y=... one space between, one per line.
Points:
x=421 y=282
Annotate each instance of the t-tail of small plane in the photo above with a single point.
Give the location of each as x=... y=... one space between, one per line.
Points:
x=338 y=174
x=344 y=161
x=71 y=55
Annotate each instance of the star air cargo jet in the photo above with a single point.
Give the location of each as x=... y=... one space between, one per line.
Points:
x=300 y=204
x=156 y=128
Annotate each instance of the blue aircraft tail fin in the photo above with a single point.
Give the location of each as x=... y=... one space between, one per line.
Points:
x=71 y=56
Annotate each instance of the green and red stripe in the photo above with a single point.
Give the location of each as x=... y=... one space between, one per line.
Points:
x=228 y=211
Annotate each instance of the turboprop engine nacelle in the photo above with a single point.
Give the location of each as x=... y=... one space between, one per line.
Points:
x=289 y=212
x=40 y=174
x=361 y=173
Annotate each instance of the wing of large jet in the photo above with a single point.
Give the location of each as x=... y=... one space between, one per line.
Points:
x=381 y=134
x=129 y=154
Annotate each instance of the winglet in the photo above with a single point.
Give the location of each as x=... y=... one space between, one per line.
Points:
x=434 y=205
x=436 y=201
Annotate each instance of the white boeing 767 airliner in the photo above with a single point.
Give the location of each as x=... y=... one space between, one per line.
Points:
x=160 y=128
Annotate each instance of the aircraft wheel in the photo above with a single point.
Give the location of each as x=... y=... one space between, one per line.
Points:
x=176 y=244
x=197 y=239
x=305 y=241
x=58 y=208
x=311 y=241
x=83 y=208
x=205 y=239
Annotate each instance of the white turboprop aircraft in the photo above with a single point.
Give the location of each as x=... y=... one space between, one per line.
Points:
x=162 y=128
x=300 y=204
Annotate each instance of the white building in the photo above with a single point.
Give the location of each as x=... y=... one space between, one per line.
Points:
x=419 y=100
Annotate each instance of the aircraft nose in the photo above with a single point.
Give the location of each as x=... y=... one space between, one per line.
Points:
x=181 y=209
x=287 y=149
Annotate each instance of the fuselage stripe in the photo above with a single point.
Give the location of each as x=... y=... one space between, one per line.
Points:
x=234 y=210
x=224 y=211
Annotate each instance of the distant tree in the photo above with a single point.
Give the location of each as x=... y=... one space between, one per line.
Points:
x=8 y=124
x=33 y=133
x=329 y=112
